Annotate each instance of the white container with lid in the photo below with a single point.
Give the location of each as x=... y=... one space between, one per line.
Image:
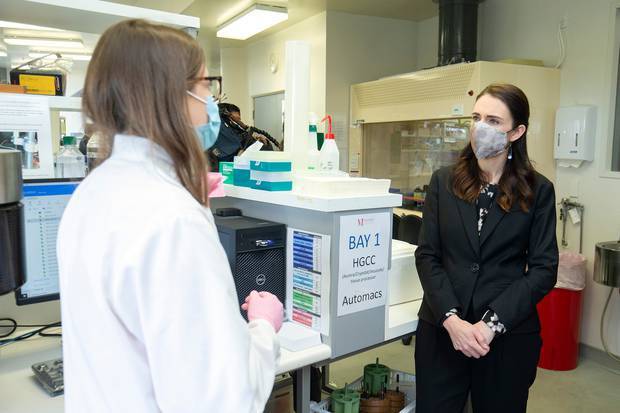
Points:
x=404 y=282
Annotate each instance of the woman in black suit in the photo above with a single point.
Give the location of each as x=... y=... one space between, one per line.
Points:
x=487 y=254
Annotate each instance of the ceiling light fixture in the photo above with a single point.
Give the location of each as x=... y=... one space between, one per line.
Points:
x=33 y=41
x=252 y=21
x=13 y=25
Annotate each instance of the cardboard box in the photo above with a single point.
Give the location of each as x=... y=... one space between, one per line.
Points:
x=12 y=88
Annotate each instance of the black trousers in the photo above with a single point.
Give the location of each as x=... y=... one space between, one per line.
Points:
x=498 y=382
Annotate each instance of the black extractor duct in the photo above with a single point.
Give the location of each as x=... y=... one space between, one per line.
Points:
x=458 y=31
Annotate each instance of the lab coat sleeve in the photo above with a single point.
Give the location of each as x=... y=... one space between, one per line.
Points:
x=438 y=289
x=201 y=354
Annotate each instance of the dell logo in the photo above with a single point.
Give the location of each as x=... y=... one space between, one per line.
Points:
x=260 y=279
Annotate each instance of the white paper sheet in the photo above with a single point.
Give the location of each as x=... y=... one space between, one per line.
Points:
x=25 y=126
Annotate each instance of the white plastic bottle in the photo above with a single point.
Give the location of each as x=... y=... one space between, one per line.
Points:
x=329 y=157
x=313 y=151
x=70 y=161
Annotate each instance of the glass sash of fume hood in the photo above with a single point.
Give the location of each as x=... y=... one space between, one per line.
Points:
x=409 y=152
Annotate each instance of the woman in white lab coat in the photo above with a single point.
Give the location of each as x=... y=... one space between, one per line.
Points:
x=149 y=308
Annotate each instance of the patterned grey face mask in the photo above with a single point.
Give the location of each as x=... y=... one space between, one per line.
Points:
x=489 y=142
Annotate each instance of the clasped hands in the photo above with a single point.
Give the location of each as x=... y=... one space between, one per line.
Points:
x=473 y=340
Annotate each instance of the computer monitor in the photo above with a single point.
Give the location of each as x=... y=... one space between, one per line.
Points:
x=44 y=203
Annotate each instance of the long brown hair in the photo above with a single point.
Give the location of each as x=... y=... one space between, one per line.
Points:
x=516 y=186
x=136 y=84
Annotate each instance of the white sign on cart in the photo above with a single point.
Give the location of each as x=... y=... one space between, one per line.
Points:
x=363 y=268
x=25 y=126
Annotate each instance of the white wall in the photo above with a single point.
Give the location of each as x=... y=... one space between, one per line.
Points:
x=235 y=79
x=427 y=43
x=359 y=49
x=257 y=78
x=75 y=83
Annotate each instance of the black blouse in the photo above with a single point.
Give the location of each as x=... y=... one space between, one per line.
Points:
x=484 y=204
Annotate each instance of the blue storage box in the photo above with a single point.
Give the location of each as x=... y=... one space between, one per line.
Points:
x=271 y=166
x=241 y=172
x=271 y=181
x=271 y=186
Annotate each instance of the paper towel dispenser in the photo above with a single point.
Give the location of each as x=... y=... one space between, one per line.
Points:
x=575 y=131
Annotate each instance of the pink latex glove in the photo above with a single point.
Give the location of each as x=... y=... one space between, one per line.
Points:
x=215 y=183
x=265 y=306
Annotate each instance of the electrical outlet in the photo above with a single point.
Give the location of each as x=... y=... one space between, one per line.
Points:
x=564 y=22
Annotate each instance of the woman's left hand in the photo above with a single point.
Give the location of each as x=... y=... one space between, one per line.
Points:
x=483 y=333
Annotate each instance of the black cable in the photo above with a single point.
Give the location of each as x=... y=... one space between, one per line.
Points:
x=40 y=331
x=13 y=327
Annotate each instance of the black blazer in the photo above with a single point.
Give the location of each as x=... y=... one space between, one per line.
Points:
x=509 y=268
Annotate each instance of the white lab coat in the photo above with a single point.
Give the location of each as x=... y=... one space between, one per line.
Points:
x=150 y=316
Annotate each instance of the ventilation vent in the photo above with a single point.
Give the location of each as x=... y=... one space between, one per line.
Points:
x=425 y=86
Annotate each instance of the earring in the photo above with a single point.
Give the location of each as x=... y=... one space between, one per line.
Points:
x=510 y=152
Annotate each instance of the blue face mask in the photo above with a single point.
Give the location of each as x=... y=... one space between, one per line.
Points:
x=209 y=131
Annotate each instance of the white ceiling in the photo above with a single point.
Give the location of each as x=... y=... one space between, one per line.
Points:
x=395 y=9
x=215 y=12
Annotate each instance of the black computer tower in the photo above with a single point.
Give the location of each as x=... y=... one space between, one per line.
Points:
x=256 y=251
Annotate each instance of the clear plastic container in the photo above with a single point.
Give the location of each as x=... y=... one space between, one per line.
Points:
x=30 y=150
x=313 y=150
x=93 y=151
x=70 y=161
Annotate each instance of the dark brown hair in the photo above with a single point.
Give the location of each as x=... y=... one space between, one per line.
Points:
x=516 y=186
x=137 y=83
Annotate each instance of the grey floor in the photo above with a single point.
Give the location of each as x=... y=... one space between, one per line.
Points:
x=590 y=388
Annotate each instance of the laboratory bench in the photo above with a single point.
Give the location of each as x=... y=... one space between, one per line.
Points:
x=20 y=393
x=343 y=332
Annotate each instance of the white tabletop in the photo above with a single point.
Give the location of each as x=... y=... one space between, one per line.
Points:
x=297 y=200
x=19 y=392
